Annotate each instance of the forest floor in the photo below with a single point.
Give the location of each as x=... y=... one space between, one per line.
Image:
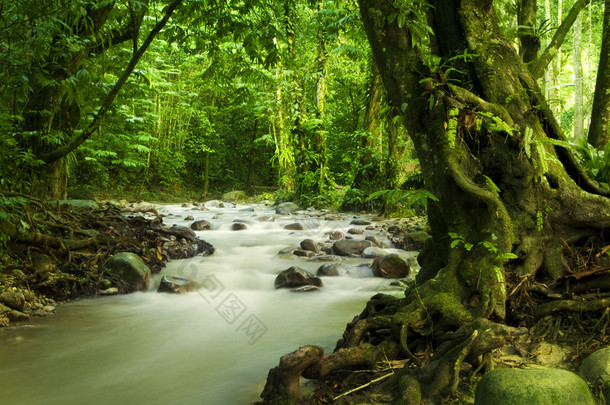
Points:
x=55 y=253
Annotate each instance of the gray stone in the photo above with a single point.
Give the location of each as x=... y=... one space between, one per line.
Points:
x=110 y=291
x=294 y=227
x=360 y=221
x=355 y=231
x=238 y=226
x=372 y=252
x=235 y=196
x=326 y=258
x=189 y=218
x=337 y=235
x=309 y=244
x=350 y=247
x=332 y=270
x=375 y=241
x=303 y=253
x=201 y=225
x=296 y=277
x=286 y=208
x=13 y=299
x=176 y=285
x=391 y=266
x=130 y=268
x=532 y=387
x=306 y=288
x=180 y=232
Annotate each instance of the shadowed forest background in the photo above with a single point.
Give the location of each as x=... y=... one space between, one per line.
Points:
x=254 y=95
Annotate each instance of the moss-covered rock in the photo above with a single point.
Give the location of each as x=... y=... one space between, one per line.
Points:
x=391 y=266
x=532 y=387
x=130 y=269
x=596 y=369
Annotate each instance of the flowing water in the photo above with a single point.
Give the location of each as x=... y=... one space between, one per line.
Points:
x=212 y=346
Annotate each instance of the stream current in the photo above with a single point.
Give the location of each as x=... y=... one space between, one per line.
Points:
x=212 y=346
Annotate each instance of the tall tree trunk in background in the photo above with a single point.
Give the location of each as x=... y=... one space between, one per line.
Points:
x=530 y=43
x=367 y=171
x=549 y=74
x=321 y=62
x=391 y=169
x=506 y=192
x=558 y=105
x=599 y=130
x=579 y=116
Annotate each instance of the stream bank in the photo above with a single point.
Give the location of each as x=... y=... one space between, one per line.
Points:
x=192 y=348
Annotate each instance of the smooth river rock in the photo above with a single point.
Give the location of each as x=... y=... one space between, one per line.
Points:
x=391 y=266
x=286 y=208
x=532 y=387
x=201 y=225
x=296 y=277
x=332 y=270
x=129 y=268
x=350 y=247
x=176 y=285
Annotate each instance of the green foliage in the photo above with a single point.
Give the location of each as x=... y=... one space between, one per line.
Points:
x=595 y=162
x=414 y=199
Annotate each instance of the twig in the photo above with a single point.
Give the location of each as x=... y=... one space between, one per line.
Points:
x=376 y=380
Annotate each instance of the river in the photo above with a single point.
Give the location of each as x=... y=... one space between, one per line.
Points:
x=212 y=346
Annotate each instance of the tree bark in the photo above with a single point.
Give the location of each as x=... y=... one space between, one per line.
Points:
x=553 y=49
x=599 y=130
x=530 y=43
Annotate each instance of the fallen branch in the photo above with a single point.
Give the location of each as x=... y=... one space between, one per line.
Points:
x=363 y=386
x=570 y=305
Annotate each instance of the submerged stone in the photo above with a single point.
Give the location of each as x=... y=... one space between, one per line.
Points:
x=286 y=208
x=176 y=285
x=296 y=277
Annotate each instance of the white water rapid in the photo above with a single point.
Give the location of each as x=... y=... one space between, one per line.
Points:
x=212 y=346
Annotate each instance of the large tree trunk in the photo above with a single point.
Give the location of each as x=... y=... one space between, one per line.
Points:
x=599 y=130
x=507 y=204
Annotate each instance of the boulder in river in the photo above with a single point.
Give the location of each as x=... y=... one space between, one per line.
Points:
x=296 y=277
x=532 y=387
x=286 y=208
x=176 y=285
x=332 y=270
x=201 y=225
x=294 y=227
x=350 y=247
x=235 y=196
x=130 y=269
x=238 y=226
x=355 y=231
x=310 y=245
x=391 y=266
x=372 y=252
x=360 y=221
